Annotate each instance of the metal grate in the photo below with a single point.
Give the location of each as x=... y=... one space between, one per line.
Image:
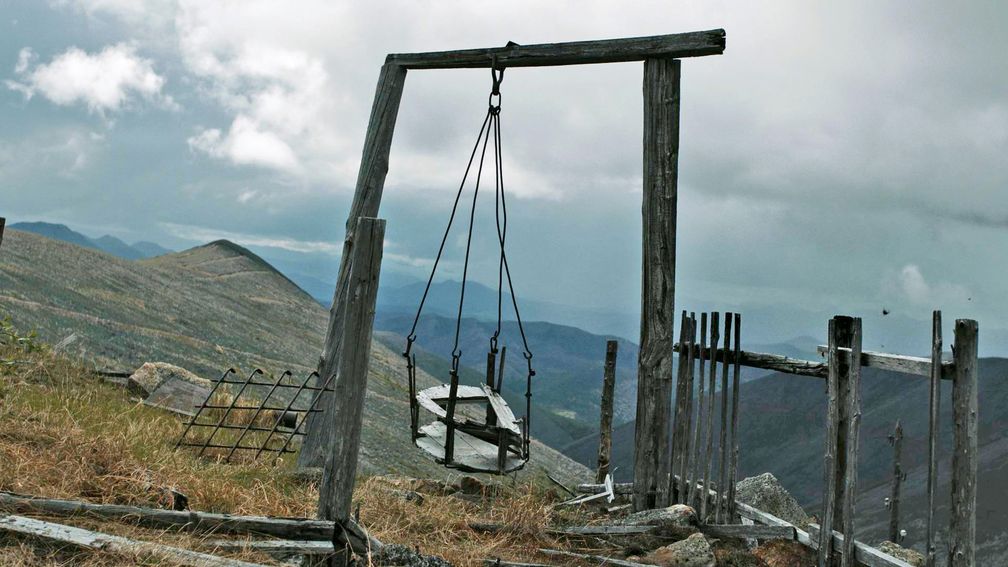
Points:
x=257 y=413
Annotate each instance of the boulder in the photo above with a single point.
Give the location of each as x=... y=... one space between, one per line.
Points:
x=693 y=551
x=766 y=493
x=899 y=552
x=675 y=516
x=169 y=387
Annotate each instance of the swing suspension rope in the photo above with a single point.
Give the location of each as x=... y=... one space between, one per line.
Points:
x=490 y=127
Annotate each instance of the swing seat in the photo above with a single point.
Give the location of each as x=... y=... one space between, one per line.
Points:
x=479 y=446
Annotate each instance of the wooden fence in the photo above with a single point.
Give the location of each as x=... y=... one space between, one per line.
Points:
x=692 y=436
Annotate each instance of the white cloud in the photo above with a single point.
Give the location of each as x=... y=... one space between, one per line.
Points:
x=203 y=234
x=909 y=284
x=108 y=80
x=246 y=143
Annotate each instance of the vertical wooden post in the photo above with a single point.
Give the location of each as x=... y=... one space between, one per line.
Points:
x=709 y=431
x=654 y=383
x=840 y=329
x=696 y=454
x=853 y=435
x=3 y=222
x=733 y=469
x=962 y=528
x=367 y=197
x=605 y=427
x=350 y=388
x=681 y=420
x=723 y=439
x=934 y=405
x=894 y=498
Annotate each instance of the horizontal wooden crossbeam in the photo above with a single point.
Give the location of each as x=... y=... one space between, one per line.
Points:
x=896 y=362
x=690 y=44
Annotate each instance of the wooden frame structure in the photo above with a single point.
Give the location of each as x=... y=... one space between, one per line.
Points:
x=660 y=55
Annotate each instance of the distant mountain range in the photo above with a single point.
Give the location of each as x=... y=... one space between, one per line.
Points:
x=110 y=244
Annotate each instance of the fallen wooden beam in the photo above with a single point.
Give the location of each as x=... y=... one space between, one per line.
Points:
x=596 y=559
x=690 y=44
x=60 y=533
x=864 y=554
x=740 y=531
x=903 y=364
x=205 y=522
x=498 y=562
x=619 y=488
x=301 y=547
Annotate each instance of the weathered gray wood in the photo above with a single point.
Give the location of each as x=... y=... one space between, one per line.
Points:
x=595 y=559
x=853 y=444
x=199 y=522
x=605 y=424
x=654 y=383
x=748 y=532
x=470 y=453
x=962 y=527
x=687 y=456
x=619 y=488
x=733 y=466
x=863 y=554
x=774 y=362
x=830 y=457
x=723 y=439
x=691 y=44
x=498 y=562
x=429 y=398
x=367 y=197
x=347 y=407
x=3 y=222
x=604 y=530
x=111 y=543
x=897 y=480
x=934 y=407
x=692 y=474
x=300 y=547
x=915 y=365
x=715 y=335
x=681 y=422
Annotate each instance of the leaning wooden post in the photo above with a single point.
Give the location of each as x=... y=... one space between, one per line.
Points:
x=934 y=405
x=654 y=382
x=894 y=499
x=962 y=528
x=605 y=427
x=347 y=401
x=367 y=196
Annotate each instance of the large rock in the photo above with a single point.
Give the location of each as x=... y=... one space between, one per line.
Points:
x=169 y=387
x=675 y=516
x=767 y=494
x=899 y=552
x=693 y=551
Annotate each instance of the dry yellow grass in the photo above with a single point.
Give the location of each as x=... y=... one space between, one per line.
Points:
x=64 y=433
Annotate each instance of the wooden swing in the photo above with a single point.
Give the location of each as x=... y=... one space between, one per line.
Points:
x=499 y=442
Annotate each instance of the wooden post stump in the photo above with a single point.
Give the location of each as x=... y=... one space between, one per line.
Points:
x=605 y=427
x=897 y=480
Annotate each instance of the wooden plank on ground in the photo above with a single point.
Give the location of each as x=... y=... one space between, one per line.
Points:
x=595 y=559
x=690 y=44
x=757 y=531
x=863 y=554
x=300 y=547
x=200 y=522
x=61 y=533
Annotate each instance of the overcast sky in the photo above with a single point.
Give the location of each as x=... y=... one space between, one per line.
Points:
x=839 y=157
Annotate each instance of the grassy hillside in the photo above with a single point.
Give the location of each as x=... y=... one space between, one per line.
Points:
x=205 y=309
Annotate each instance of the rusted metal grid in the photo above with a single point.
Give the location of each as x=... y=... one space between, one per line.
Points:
x=258 y=413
